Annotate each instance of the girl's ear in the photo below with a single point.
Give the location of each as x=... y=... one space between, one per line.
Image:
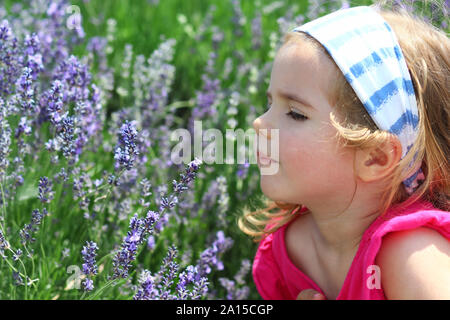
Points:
x=375 y=164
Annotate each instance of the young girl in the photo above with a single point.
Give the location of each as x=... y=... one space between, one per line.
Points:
x=360 y=200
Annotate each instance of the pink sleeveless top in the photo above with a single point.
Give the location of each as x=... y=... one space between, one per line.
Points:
x=276 y=277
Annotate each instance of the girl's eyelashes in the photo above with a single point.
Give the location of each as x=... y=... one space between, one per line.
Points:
x=296 y=116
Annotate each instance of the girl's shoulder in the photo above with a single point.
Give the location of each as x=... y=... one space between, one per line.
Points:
x=416 y=256
x=413 y=225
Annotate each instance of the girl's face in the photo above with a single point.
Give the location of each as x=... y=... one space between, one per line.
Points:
x=312 y=167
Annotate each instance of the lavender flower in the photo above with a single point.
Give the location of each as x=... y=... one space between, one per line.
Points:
x=147 y=290
x=256 y=27
x=18 y=281
x=208 y=96
x=53 y=100
x=66 y=133
x=23 y=127
x=17 y=254
x=210 y=257
x=89 y=254
x=140 y=229
x=168 y=271
x=185 y=278
x=5 y=139
x=200 y=288
x=238 y=18
x=243 y=170
x=32 y=50
x=26 y=91
x=126 y=151
x=4 y=245
x=45 y=190
x=127 y=253
x=88 y=284
x=27 y=232
x=236 y=289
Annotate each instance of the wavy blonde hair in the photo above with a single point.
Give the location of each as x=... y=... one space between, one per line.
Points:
x=426 y=50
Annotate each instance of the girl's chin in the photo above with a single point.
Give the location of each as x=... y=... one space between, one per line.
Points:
x=270 y=187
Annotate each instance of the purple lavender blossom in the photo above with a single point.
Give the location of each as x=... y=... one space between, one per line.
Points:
x=34 y=57
x=5 y=139
x=89 y=254
x=66 y=131
x=126 y=150
x=140 y=229
x=45 y=190
x=185 y=278
x=17 y=255
x=127 y=253
x=88 y=284
x=26 y=234
x=200 y=288
x=238 y=18
x=243 y=170
x=147 y=290
x=210 y=257
x=23 y=127
x=236 y=289
x=18 y=281
x=26 y=91
x=168 y=272
x=76 y=77
x=4 y=245
x=9 y=58
x=256 y=26
x=53 y=102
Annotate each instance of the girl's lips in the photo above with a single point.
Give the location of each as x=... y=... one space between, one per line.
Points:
x=264 y=160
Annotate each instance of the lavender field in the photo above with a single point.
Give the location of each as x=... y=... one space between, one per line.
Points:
x=92 y=204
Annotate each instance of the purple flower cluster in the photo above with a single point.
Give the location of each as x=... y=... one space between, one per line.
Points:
x=45 y=190
x=162 y=286
x=4 y=245
x=26 y=91
x=236 y=289
x=141 y=229
x=168 y=272
x=210 y=258
x=126 y=150
x=26 y=234
x=208 y=97
x=89 y=253
x=147 y=290
x=137 y=234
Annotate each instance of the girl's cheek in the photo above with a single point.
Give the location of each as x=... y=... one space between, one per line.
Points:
x=296 y=153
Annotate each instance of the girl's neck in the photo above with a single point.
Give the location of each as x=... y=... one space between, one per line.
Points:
x=340 y=231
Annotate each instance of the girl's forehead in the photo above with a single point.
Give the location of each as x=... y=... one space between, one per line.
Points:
x=304 y=68
x=298 y=52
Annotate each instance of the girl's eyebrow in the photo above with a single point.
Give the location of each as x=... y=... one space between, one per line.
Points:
x=290 y=96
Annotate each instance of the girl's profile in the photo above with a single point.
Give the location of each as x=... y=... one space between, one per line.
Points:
x=359 y=206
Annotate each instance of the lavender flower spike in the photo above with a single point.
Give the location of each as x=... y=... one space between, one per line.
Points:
x=26 y=234
x=126 y=150
x=45 y=190
x=89 y=254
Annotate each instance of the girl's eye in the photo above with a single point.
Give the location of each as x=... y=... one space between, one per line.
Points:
x=296 y=116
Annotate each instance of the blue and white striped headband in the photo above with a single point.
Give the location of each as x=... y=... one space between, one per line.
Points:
x=367 y=52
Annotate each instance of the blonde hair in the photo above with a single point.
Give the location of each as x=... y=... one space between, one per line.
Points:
x=426 y=51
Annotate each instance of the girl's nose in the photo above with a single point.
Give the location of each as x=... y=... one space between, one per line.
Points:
x=262 y=126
